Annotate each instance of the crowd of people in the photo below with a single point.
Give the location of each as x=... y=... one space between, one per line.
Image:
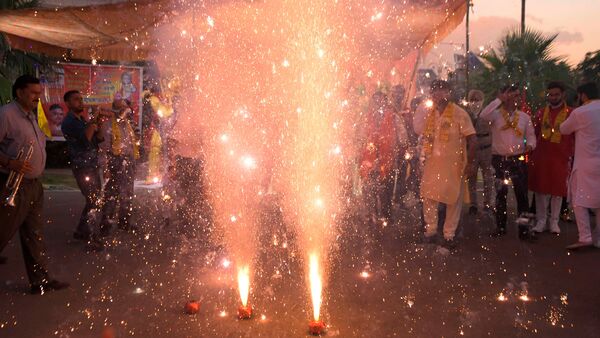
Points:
x=535 y=153
x=434 y=149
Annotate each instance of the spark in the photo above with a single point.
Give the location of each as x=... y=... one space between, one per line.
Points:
x=222 y=314
x=244 y=284
x=138 y=291
x=210 y=21
x=407 y=156
x=155 y=179
x=233 y=218
x=524 y=298
x=316 y=285
x=365 y=274
x=501 y=297
x=285 y=63
x=94 y=62
x=226 y=263
x=224 y=138
x=263 y=317
x=337 y=150
x=506 y=181
x=429 y=103
x=87 y=178
x=320 y=53
x=319 y=203
x=248 y=162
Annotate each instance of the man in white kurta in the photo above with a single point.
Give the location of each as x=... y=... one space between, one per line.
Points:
x=584 y=182
x=445 y=130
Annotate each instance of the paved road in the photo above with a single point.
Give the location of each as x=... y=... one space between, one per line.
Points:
x=138 y=286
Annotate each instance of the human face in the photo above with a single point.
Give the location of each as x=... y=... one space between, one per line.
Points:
x=396 y=97
x=440 y=96
x=75 y=103
x=57 y=116
x=29 y=96
x=379 y=100
x=512 y=99
x=476 y=104
x=555 y=96
x=126 y=78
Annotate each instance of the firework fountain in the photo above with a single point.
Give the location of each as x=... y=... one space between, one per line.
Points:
x=265 y=105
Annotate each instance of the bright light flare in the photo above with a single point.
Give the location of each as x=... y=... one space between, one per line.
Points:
x=502 y=297
x=429 y=103
x=524 y=298
x=365 y=274
x=248 y=162
x=244 y=284
x=316 y=285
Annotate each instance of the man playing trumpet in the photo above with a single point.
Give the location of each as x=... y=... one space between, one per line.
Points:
x=18 y=130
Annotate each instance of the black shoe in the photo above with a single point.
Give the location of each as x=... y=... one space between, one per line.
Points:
x=80 y=236
x=499 y=232
x=473 y=210
x=105 y=231
x=449 y=244
x=429 y=239
x=48 y=286
x=94 y=245
x=3 y=260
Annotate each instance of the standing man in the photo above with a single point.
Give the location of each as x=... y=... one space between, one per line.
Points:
x=377 y=162
x=483 y=155
x=83 y=137
x=401 y=121
x=512 y=137
x=549 y=163
x=447 y=132
x=121 y=149
x=18 y=130
x=584 y=183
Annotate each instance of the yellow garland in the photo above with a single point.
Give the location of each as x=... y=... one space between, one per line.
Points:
x=429 y=133
x=116 y=139
x=514 y=124
x=550 y=132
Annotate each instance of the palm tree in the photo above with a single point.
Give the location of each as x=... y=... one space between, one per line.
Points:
x=524 y=58
x=589 y=69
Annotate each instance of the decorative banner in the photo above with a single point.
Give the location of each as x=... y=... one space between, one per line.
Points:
x=99 y=85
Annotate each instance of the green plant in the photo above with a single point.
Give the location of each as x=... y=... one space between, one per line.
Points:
x=524 y=58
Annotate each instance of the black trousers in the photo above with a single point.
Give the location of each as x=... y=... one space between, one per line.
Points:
x=513 y=169
x=26 y=217
x=88 y=181
x=118 y=192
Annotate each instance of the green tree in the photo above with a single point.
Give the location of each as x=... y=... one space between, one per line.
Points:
x=589 y=69
x=523 y=58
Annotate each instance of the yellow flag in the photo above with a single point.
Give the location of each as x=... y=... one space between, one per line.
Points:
x=43 y=121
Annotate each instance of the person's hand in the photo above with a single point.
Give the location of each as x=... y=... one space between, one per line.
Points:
x=22 y=167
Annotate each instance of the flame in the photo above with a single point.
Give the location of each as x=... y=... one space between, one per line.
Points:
x=244 y=284
x=316 y=285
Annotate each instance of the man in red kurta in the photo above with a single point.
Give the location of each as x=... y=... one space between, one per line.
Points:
x=378 y=155
x=549 y=163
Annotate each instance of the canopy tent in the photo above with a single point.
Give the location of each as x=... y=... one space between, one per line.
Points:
x=124 y=31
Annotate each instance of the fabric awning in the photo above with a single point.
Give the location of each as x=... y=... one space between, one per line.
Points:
x=124 y=31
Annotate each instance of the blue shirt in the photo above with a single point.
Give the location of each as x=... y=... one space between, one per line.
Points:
x=18 y=128
x=83 y=153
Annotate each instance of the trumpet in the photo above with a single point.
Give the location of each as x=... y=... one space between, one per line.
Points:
x=14 y=178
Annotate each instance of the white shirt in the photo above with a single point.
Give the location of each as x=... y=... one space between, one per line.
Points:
x=506 y=142
x=584 y=183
